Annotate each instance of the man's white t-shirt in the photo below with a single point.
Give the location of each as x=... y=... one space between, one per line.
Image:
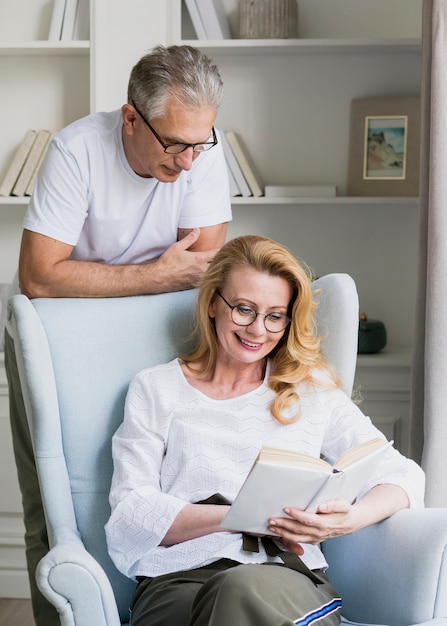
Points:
x=88 y=196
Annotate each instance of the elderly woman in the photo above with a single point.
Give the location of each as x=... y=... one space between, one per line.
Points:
x=193 y=428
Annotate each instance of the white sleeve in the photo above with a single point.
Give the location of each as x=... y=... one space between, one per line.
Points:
x=59 y=204
x=141 y=514
x=207 y=201
x=348 y=426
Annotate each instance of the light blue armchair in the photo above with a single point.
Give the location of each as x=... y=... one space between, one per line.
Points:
x=76 y=358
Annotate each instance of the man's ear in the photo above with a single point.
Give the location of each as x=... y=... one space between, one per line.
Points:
x=129 y=118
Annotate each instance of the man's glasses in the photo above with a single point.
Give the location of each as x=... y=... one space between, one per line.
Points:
x=177 y=148
x=243 y=315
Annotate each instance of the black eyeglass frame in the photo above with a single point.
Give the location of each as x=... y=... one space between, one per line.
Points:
x=166 y=146
x=266 y=315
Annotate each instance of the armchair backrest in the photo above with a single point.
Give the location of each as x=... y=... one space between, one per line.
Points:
x=76 y=358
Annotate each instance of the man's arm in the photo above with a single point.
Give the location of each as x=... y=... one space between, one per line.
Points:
x=46 y=270
x=211 y=238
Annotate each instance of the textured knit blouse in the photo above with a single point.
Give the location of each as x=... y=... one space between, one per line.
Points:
x=178 y=446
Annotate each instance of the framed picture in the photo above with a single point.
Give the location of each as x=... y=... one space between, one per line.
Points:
x=384 y=147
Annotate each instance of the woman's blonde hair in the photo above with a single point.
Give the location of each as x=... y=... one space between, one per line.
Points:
x=298 y=352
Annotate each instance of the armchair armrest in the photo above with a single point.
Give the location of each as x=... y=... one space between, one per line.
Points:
x=73 y=581
x=394 y=572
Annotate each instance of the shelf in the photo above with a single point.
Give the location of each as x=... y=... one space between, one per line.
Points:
x=238 y=200
x=388 y=358
x=348 y=200
x=10 y=200
x=305 y=46
x=46 y=48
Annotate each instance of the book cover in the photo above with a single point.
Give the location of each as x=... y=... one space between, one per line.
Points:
x=214 y=19
x=69 y=20
x=196 y=19
x=281 y=478
x=233 y=166
x=17 y=163
x=244 y=164
x=300 y=191
x=57 y=19
x=81 y=28
x=31 y=162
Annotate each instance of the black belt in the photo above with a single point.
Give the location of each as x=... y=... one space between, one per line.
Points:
x=250 y=543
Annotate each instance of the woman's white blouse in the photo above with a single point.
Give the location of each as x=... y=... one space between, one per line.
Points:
x=178 y=446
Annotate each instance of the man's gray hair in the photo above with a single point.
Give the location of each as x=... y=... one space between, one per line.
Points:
x=183 y=72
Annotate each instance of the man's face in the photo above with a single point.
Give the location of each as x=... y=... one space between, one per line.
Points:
x=143 y=150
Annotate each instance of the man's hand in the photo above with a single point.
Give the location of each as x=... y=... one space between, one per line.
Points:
x=181 y=268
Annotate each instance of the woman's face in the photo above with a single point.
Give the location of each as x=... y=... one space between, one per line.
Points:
x=263 y=293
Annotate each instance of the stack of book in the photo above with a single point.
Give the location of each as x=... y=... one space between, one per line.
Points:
x=21 y=174
x=209 y=19
x=242 y=177
x=70 y=20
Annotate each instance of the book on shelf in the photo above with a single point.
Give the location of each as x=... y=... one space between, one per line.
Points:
x=300 y=191
x=69 y=20
x=244 y=163
x=234 y=187
x=233 y=167
x=81 y=28
x=283 y=478
x=30 y=186
x=196 y=19
x=38 y=147
x=214 y=19
x=17 y=163
x=57 y=19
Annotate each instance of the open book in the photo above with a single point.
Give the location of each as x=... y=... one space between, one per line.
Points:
x=281 y=478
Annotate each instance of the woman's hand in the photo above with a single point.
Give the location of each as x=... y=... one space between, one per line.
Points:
x=333 y=518
x=337 y=517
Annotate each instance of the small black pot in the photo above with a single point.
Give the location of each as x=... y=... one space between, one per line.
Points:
x=372 y=335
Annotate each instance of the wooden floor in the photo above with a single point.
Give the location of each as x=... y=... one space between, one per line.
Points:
x=16 y=612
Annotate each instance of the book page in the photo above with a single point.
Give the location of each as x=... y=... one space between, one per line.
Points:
x=358 y=452
x=347 y=483
x=292 y=458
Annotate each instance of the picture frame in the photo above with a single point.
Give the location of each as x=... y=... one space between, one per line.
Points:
x=384 y=147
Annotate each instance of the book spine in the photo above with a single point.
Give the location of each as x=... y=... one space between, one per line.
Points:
x=234 y=187
x=30 y=187
x=69 y=20
x=17 y=163
x=214 y=19
x=244 y=164
x=196 y=19
x=31 y=162
x=233 y=165
x=57 y=19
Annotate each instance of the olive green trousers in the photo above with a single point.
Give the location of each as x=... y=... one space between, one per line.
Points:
x=227 y=593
